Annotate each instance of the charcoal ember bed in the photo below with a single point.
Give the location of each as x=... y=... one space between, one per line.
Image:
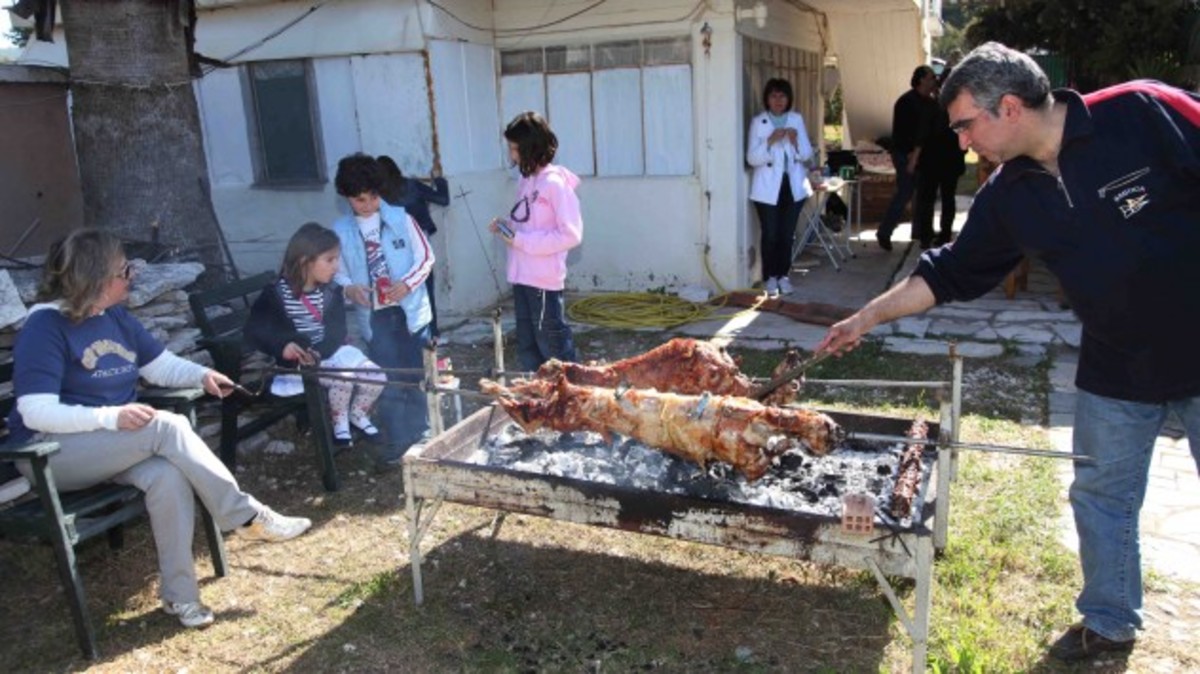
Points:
x=798 y=482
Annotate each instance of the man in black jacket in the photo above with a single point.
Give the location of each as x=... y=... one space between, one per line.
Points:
x=1105 y=189
x=910 y=124
x=938 y=170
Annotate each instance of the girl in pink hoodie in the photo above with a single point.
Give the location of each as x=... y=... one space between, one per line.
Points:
x=543 y=225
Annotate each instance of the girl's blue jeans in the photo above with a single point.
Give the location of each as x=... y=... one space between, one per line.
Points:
x=542 y=330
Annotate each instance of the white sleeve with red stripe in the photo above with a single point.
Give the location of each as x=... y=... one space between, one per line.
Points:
x=422 y=256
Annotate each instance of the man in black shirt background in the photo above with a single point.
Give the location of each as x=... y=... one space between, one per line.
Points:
x=911 y=116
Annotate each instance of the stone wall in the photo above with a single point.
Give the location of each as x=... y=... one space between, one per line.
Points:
x=158 y=298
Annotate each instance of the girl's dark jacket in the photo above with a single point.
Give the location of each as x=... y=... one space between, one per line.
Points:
x=269 y=329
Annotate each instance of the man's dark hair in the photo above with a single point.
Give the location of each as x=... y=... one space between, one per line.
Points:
x=777 y=84
x=358 y=173
x=394 y=183
x=536 y=143
x=992 y=70
x=919 y=74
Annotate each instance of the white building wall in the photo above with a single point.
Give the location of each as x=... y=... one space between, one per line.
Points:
x=308 y=29
x=392 y=99
x=464 y=94
x=876 y=54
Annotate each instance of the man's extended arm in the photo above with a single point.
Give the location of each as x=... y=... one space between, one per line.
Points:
x=912 y=296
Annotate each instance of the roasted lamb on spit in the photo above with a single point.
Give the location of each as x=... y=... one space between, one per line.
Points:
x=700 y=428
x=681 y=365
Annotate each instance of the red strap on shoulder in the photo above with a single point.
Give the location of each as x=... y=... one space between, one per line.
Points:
x=1177 y=99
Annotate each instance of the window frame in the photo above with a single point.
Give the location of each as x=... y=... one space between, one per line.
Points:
x=258 y=159
x=645 y=49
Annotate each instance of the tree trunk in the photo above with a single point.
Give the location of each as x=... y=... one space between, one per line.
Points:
x=137 y=127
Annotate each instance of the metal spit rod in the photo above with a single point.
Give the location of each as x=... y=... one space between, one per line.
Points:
x=973 y=446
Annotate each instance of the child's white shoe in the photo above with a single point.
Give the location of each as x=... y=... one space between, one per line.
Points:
x=341 y=434
x=364 y=424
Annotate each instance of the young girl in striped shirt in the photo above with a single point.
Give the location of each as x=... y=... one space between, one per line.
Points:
x=300 y=319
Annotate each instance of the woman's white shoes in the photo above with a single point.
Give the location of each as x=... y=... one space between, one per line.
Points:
x=779 y=286
x=190 y=614
x=270 y=526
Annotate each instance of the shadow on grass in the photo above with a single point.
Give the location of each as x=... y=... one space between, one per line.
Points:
x=497 y=605
x=491 y=605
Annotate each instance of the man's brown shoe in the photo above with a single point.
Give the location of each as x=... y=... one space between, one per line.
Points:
x=1081 y=643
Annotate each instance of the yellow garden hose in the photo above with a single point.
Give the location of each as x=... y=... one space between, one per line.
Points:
x=633 y=310
x=646 y=310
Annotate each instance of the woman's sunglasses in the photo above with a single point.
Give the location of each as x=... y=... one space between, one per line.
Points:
x=129 y=270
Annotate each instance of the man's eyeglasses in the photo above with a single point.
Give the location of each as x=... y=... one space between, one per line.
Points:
x=520 y=211
x=964 y=125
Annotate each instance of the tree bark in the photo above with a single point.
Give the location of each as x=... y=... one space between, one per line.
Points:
x=137 y=127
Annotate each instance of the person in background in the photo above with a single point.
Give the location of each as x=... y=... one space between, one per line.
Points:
x=385 y=261
x=910 y=125
x=300 y=319
x=1105 y=189
x=942 y=162
x=542 y=226
x=778 y=149
x=414 y=196
x=76 y=366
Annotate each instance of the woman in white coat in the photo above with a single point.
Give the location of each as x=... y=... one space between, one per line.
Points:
x=779 y=151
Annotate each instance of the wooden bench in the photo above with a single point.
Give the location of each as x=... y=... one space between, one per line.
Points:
x=220 y=314
x=65 y=520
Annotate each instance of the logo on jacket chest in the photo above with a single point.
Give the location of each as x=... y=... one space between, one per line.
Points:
x=1132 y=200
x=1128 y=193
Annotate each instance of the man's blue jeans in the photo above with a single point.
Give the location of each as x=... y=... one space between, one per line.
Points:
x=542 y=330
x=1107 y=497
x=402 y=411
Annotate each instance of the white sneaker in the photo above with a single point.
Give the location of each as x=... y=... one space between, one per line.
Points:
x=772 y=287
x=364 y=424
x=270 y=526
x=190 y=614
x=785 y=285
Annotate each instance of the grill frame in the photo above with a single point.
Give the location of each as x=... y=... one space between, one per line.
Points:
x=437 y=472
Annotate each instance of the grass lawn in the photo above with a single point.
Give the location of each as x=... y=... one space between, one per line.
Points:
x=543 y=596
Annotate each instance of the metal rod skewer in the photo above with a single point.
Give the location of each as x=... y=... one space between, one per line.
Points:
x=978 y=447
x=488 y=372
x=878 y=383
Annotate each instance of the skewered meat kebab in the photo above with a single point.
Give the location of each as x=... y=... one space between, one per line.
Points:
x=739 y=431
x=909 y=475
x=681 y=365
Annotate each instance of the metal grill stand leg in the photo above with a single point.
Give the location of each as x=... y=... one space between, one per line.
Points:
x=923 y=604
x=433 y=399
x=414 y=538
x=917 y=626
x=941 y=514
x=498 y=344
